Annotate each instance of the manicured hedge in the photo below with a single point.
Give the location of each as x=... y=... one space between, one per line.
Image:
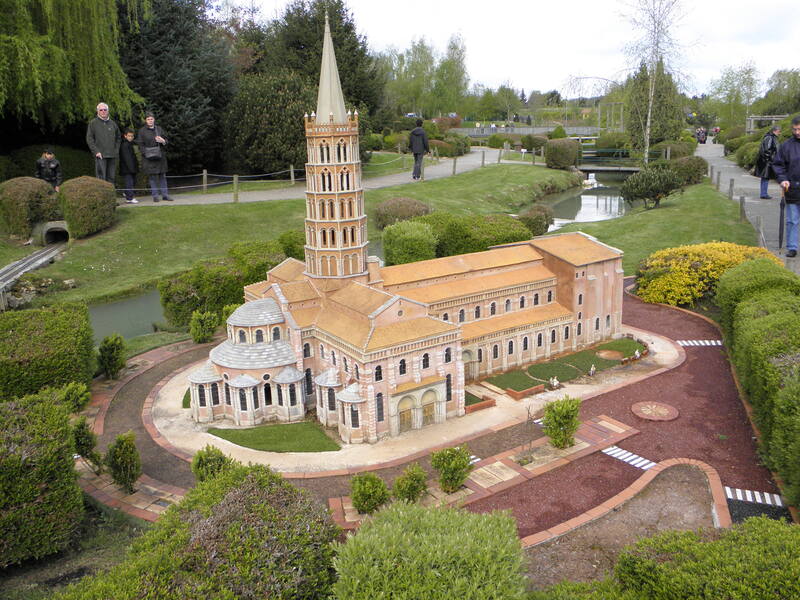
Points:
x=254 y=259
x=44 y=347
x=461 y=234
x=407 y=552
x=397 y=209
x=762 y=304
x=498 y=140
x=561 y=153
x=651 y=184
x=676 y=149
x=41 y=504
x=89 y=204
x=533 y=142
x=690 y=169
x=784 y=447
x=442 y=148
x=244 y=533
x=537 y=219
x=408 y=241
x=25 y=201
x=747 y=154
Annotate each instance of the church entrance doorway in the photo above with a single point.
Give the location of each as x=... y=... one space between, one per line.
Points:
x=404 y=412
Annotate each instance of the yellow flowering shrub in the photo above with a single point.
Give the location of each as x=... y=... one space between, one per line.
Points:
x=685 y=274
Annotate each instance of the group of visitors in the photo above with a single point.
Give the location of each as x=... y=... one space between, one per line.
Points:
x=107 y=145
x=783 y=162
x=701 y=134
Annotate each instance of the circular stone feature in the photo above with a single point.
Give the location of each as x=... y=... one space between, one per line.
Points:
x=654 y=411
x=610 y=354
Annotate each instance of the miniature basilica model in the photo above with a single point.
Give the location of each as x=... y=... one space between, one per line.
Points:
x=376 y=350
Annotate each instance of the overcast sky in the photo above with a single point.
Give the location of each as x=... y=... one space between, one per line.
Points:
x=535 y=44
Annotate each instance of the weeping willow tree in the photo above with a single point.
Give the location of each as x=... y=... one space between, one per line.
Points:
x=59 y=58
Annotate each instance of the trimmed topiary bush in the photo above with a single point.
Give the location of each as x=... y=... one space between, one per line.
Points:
x=396 y=141
x=784 y=447
x=561 y=421
x=537 y=219
x=202 y=326
x=111 y=355
x=227 y=311
x=690 y=169
x=492 y=230
x=292 y=243
x=762 y=304
x=25 y=201
x=408 y=241
x=41 y=504
x=368 y=492
x=210 y=461
x=461 y=143
x=650 y=185
x=397 y=209
x=412 y=484
x=453 y=466
x=44 y=347
x=123 y=461
x=558 y=133
x=498 y=140
x=372 y=142
x=676 y=149
x=254 y=259
x=533 y=142
x=85 y=444
x=246 y=533
x=442 y=148
x=89 y=204
x=74 y=396
x=733 y=144
x=561 y=153
x=407 y=552
x=747 y=155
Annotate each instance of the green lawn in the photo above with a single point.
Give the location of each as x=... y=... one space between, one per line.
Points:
x=389 y=163
x=520 y=157
x=513 y=380
x=555 y=368
x=700 y=214
x=10 y=250
x=253 y=186
x=470 y=399
x=625 y=345
x=584 y=360
x=148 y=341
x=290 y=437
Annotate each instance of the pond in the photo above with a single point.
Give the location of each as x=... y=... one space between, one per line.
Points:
x=595 y=204
x=129 y=317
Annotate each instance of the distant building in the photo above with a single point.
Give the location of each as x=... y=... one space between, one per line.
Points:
x=377 y=351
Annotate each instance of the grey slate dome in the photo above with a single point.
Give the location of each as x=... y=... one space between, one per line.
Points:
x=257 y=312
x=288 y=375
x=350 y=395
x=253 y=356
x=205 y=374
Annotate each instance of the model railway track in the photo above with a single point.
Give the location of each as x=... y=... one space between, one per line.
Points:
x=10 y=273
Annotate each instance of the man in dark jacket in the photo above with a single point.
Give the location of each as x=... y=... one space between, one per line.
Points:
x=128 y=166
x=766 y=152
x=103 y=139
x=418 y=141
x=49 y=169
x=787 y=169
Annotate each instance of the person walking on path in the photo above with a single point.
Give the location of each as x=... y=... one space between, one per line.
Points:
x=418 y=140
x=766 y=152
x=128 y=166
x=151 y=140
x=103 y=139
x=787 y=169
x=49 y=169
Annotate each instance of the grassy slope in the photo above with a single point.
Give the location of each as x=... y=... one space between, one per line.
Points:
x=280 y=437
x=11 y=250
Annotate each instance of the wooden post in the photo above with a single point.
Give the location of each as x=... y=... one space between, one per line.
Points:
x=742 y=211
x=669 y=152
x=499 y=155
x=291 y=173
x=403 y=158
x=717 y=182
x=455 y=160
x=483 y=158
x=711 y=173
x=235 y=188
x=730 y=189
x=205 y=181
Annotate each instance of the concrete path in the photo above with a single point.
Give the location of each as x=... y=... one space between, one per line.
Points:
x=763 y=214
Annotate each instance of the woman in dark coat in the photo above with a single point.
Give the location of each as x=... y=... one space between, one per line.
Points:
x=154 y=162
x=766 y=152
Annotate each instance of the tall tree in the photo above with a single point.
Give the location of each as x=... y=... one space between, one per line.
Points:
x=508 y=99
x=665 y=116
x=450 y=77
x=783 y=94
x=58 y=59
x=734 y=92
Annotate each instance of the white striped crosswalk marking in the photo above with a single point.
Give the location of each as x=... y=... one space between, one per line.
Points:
x=752 y=496
x=629 y=457
x=473 y=459
x=699 y=342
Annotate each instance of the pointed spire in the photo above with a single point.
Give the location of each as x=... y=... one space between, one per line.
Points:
x=330 y=100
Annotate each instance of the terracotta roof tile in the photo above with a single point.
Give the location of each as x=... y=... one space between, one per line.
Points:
x=576 y=248
x=290 y=269
x=345 y=326
x=298 y=291
x=462 y=263
x=454 y=289
x=305 y=317
x=361 y=298
x=529 y=316
x=413 y=385
x=406 y=331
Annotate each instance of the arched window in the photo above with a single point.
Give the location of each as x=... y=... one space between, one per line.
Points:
x=214 y=394
x=493 y=308
x=461 y=316
x=580 y=299
x=309 y=383
x=597 y=324
x=276 y=333
x=426 y=361
x=321 y=351
x=539 y=340
x=535 y=299
x=344 y=362
x=448 y=388
x=445 y=317
x=201 y=395
x=242 y=336
x=495 y=351
x=378 y=373
x=510 y=347
x=306 y=350
x=356 y=369
x=550 y=296
x=324 y=238
x=354 y=416
x=259 y=336
x=322 y=209
x=480 y=355
x=379 y=406
x=578 y=329
x=242 y=399
x=292 y=395
x=553 y=336
x=267 y=394
x=350 y=211
x=255 y=398
x=402 y=366
x=333 y=357
x=331 y=213
x=227 y=394
x=566 y=332
x=525 y=343
x=522 y=301
x=331 y=399
x=448 y=355
x=508 y=305
x=608 y=321
x=280 y=395
x=477 y=312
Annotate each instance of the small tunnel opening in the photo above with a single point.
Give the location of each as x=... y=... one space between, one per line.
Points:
x=53 y=236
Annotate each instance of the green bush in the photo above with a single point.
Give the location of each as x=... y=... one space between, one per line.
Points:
x=412 y=484
x=747 y=155
x=784 y=448
x=676 y=149
x=451 y=231
x=498 y=140
x=6 y=168
x=245 y=533
x=89 y=204
x=292 y=243
x=533 y=142
x=85 y=444
x=123 y=461
x=537 y=219
x=460 y=143
x=650 y=185
x=690 y=169
x=408 y=241
x=749 y=278
x=561 y=153
x=453 y=466
x=733 y=144
x=442 y=148
x=25 y=201
x=368 y=492
x=461 y=234
x=397 y=209
x=372 y=142
x=561 y=421
x=730 y=133
x=762 y=304
x=612 y=144
x=202 y=326
x=74 y=396
x=395 y=141
x=557 y=133
x=111 y=355
x=41 y=504
x=407 y=552
x=209 y=462
x=227 y=311
x=44 y=347
x=759 y=558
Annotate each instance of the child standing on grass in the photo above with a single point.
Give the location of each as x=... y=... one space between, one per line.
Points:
x=128 y=166
x=49 y=169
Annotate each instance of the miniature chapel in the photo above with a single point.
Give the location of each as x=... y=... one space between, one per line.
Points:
x=376 y=351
